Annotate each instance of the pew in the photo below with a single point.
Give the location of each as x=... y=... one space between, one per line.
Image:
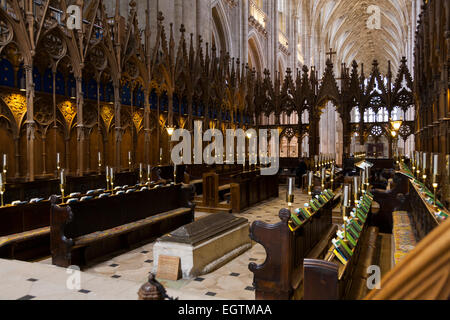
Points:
x=280 y=277
x=328 y=278
x=25 y=231
x=84 y=231
x=250 y=188
x=25 y=191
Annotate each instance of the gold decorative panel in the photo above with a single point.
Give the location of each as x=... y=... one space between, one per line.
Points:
x=107 y=114
x=68 y=110
x=17 y=103
x=138 y=116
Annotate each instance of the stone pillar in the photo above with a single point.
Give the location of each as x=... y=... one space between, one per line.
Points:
x=118 y=128
x=147 y=129
x=204 y=11
x=244 y=4
x=81 y=135
x=30 y=124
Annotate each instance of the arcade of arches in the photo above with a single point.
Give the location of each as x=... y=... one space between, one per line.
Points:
x=362 y=115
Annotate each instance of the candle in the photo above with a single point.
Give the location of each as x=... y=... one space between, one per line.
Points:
x=111 y=173
x=435 y=164
x=346 y=196
x=99 y=157
x=1 y=181
x=424 y=161
x=57 y=158
x=363 y=176
x=107 y=172
x=291 y=186
x=355 y=182
x=149 y=170
x=160 y=152
x=62 y=176
x=310 y=178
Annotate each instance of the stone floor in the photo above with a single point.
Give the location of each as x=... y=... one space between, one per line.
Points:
x=122 y=275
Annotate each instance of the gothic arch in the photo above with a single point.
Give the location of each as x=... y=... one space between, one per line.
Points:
x=255 y=57
x=221 y=29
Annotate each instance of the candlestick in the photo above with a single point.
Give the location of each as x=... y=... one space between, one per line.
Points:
x=111 y=178
x=435 y=185
x=2 y=188
x=107 y=178
x=310 y=177
x=174 y=174
x=356 y=191
x=140 y=173
x=435 y=164
x=323 y=178
x=62 y=185
x=345 y=204
x=290 y=193
x=149 y=173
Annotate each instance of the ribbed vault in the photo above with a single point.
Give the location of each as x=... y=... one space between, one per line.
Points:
x=342 y=25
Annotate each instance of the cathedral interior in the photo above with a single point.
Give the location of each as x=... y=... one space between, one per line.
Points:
x=348 y=100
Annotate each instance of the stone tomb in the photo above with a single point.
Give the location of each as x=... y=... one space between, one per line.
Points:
x=206 y=244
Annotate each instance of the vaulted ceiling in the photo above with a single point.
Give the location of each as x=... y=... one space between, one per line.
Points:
x=342 y=25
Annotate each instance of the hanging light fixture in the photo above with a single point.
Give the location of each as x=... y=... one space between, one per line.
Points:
x=22 y=83
x=170 y=130
x=73 y=93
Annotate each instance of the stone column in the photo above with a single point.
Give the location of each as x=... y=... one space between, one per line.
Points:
x=118 y=128
x=30 y=124
x=147 y=129
x=81 y=135
x=244 y=58
x=204 y=19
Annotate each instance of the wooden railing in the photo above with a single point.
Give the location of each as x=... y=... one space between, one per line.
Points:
x=424 y=274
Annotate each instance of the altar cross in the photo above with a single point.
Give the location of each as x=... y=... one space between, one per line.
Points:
x=331 y=54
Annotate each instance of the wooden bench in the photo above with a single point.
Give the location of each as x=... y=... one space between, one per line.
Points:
x=329 y=279
x=85 y=231
x=250 y=188
x=25 y=231
x=280 y=276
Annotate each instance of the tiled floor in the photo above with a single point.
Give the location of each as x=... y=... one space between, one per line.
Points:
x=122 y=275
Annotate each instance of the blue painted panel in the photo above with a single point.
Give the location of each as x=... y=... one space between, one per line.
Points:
x=6 y=73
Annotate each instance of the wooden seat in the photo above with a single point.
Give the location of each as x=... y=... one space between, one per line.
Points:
x=24 y=236
x=89 y=230
x=126 y=228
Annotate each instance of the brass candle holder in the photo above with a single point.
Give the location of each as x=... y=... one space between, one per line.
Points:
x=62 y=188
x=2 y=191
x=435 y=186
x=290 y=200
x=344 y=216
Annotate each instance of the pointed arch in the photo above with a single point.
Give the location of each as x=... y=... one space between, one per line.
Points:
x=255 y=57
x=221 y=34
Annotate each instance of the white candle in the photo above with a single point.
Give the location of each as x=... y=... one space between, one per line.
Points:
x=129 y=156
x=435 y=164
x=160 y=152
x=310 y=178
x=149 y=169
x=107 y=172
x=1 y=180
x=363 y=176
x=62 y=176
x=346 y=196
x=57 y=158
x=99 y=157
x=323 y=173
x=291 y=185
x=355 y=182
x=424 y=161
x=4 y=159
